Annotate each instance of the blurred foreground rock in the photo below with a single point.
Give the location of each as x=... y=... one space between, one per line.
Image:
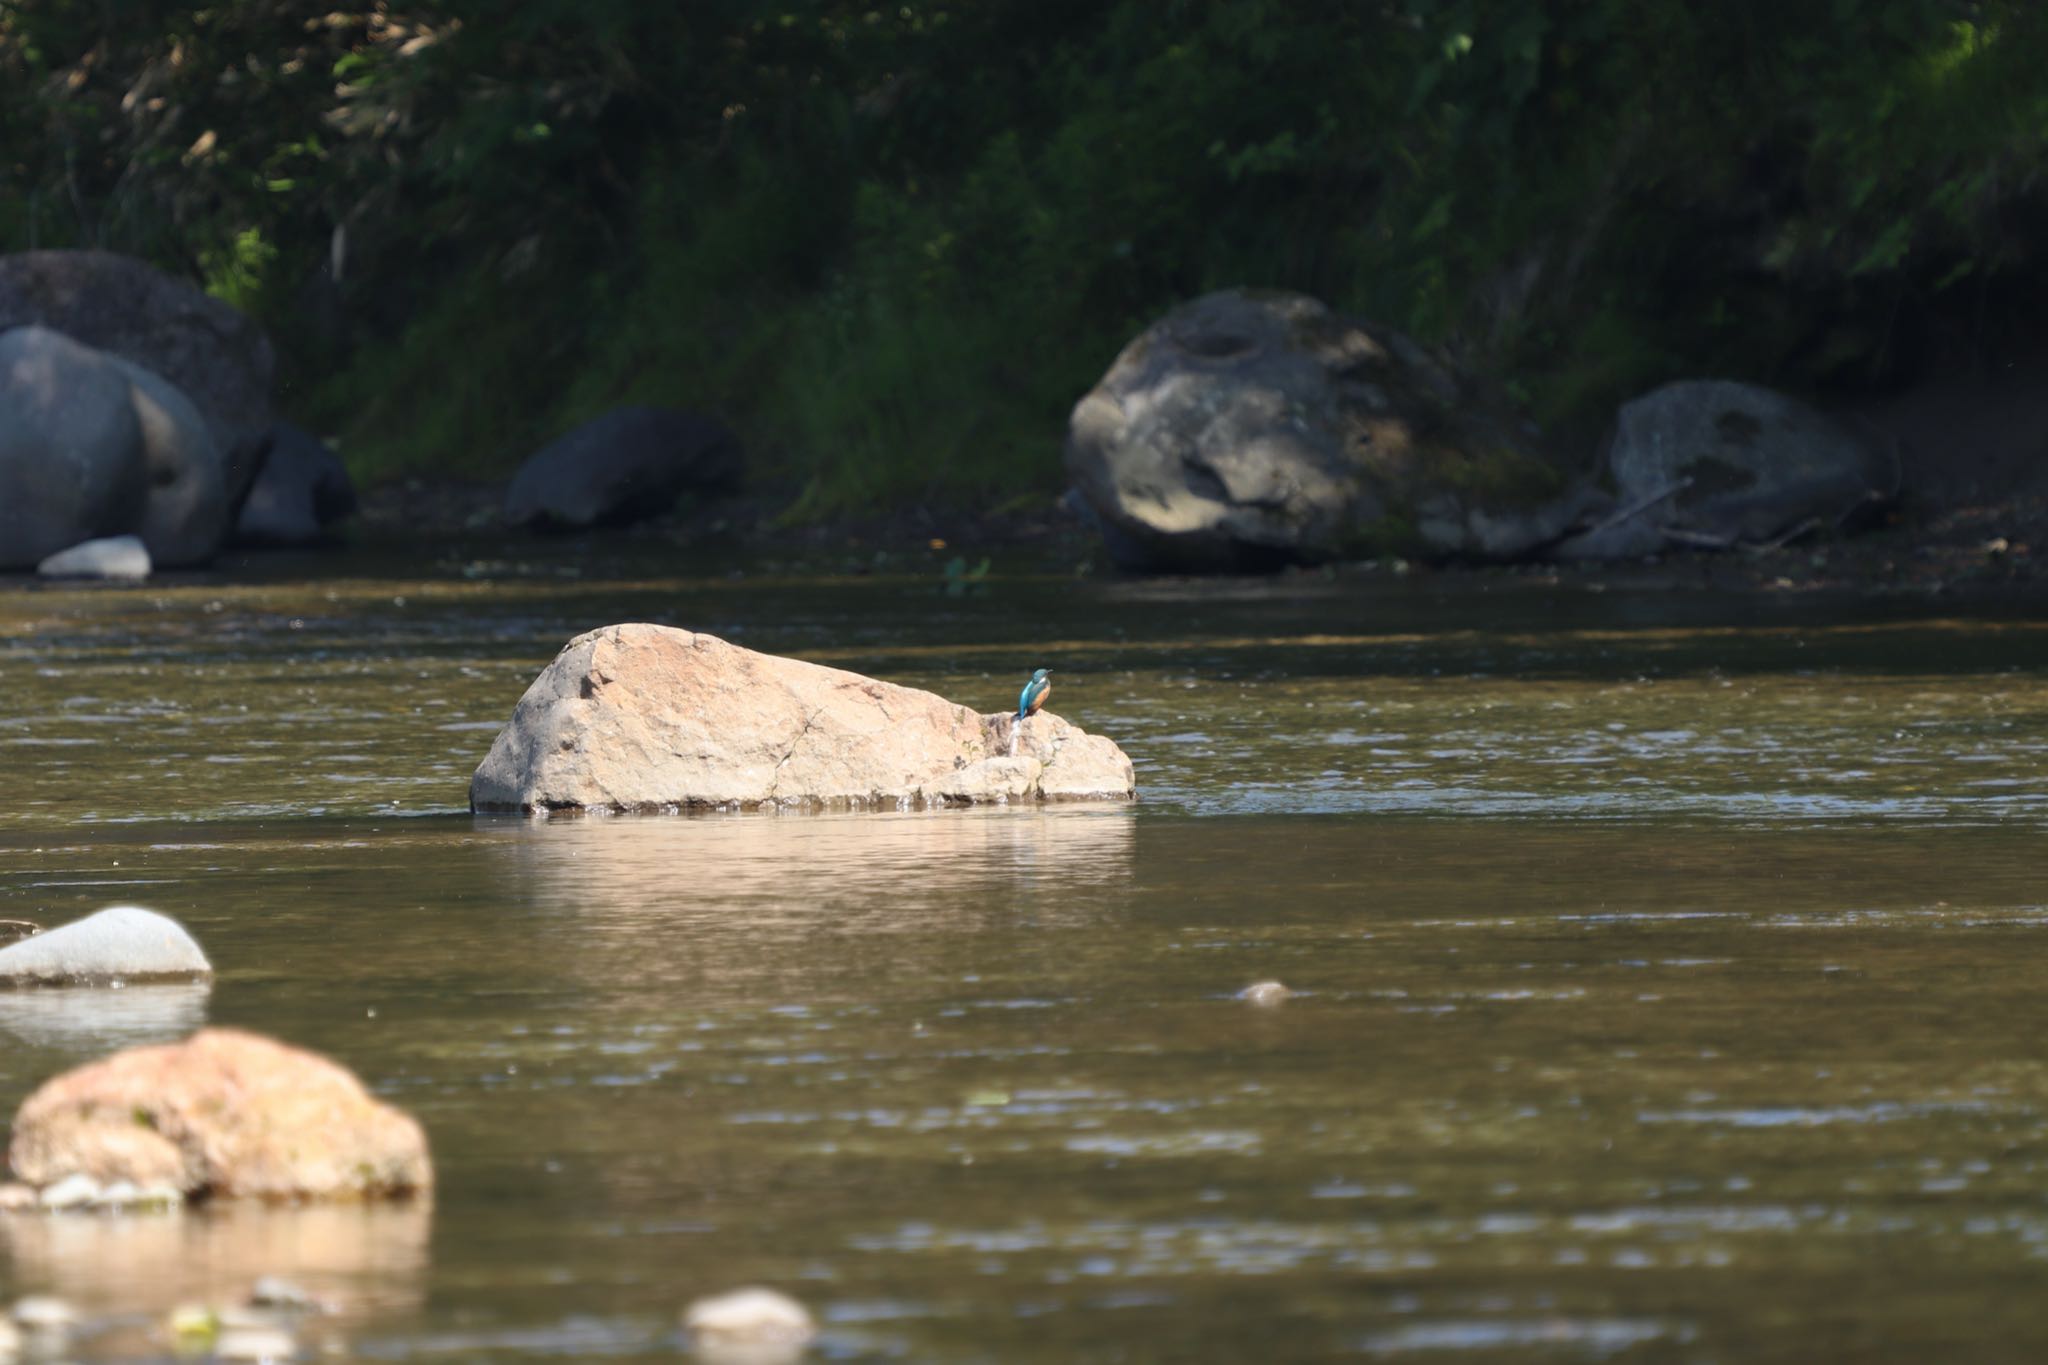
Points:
x=224 y=1114
x=646 y=718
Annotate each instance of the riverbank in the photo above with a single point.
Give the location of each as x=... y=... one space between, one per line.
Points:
x=1988 y=545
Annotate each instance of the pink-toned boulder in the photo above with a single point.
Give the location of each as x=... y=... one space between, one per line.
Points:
x=224 y=1114
x=644 y=718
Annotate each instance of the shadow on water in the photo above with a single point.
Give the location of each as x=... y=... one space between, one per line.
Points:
x=90 y=1023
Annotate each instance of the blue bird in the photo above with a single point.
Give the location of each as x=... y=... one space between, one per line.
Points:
x=1034 y=694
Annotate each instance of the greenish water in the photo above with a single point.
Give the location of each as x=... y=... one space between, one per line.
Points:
x=1668 y=968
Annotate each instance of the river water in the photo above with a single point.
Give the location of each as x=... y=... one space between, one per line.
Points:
x=1668 y=969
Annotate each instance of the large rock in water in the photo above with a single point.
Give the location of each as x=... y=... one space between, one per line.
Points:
x=644 y=717
x=214 y=355
x=223 y=1114
x=1710 y=462
x=121 y=943
x=629 y=464
x=1255 y=429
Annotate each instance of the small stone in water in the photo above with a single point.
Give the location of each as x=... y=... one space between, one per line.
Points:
x=256 y=1343
x=190 y=1321
x=1264 y=993
x=275 y=1291
x=755 y=1325
x=44 y=1314
x=72 y=1192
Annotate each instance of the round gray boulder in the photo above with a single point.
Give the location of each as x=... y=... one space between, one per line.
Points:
x=627 y=465
x=214 y=355
x=72 y=465
x=1251 y=429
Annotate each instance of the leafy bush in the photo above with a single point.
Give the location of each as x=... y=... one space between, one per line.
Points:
x=895 y=245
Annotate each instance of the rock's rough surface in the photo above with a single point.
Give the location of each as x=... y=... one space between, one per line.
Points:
x=118 y=559
x=1251 y=429
x=224 y=1114
x=303 y=488
x=628 y=464
x=644 y=717
x=121 y=943
x=214 y=355
x=1708 y=462
x=71 y=454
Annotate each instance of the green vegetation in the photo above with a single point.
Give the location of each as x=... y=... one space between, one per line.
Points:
x=894 y=244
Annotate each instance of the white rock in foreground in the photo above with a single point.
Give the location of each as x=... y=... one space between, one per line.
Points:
x=125 y=943
x=644 y=717
x=114 y=558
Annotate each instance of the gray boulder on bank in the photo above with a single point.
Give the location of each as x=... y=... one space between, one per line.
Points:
x=302 y=490
x=71 y=457
x=93 y=445
x=212 y=354
x=114 y=559
x=624 y=466
x=122 y=943
x=1251 y=429
x=1709 y=463
x=650 y=718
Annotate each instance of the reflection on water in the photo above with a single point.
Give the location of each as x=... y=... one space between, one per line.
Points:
x=125 y=1272
x=89 y=1021
x=774 y=876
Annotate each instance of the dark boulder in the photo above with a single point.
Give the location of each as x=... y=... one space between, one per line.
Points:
x=1251 y=429
x=1709 y=463
x=627 y=465
x=303 y=489
x=214 y=355
x=71 y=454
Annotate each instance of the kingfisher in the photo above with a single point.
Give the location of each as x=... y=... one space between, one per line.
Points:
x=1034 y=694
